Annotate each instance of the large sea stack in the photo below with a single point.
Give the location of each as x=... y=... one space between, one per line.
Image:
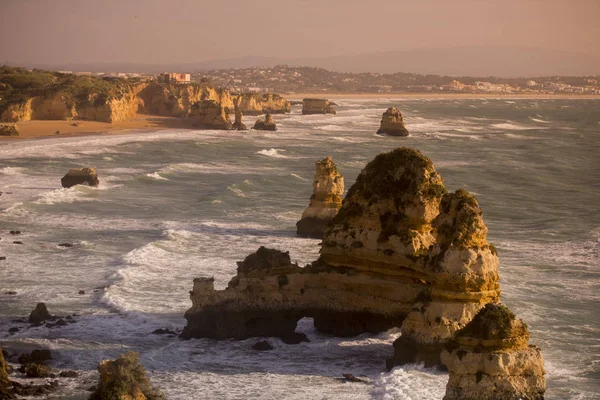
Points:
x=490 y=359
x=266 y=124
x=317 y=106
x=80 y=176
x=328 y=186
x=210 y=114
x=392 y=123
x=401 y=252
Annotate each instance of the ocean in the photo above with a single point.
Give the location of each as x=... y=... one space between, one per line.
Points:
x=177 y=204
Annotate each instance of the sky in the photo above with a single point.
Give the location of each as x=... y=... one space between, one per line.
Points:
x=188 y=31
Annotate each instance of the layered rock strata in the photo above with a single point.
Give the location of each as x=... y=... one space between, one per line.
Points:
x=328 y=187
x=317 y=106
x=238 y=124
x=266 y=124
x=80 y=176
x=258 y=104
x=392 y=123
x=210 y=114
x=490 y=359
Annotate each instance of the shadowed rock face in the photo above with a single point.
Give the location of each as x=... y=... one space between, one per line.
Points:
x=401 y=251
x=490 y=359
x=80 y=176
x=392 y=123
x=328 y=186
x=317 y=106
x=266 y=124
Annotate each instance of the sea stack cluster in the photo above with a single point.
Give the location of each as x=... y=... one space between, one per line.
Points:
x=328 y=187
x=392 y=123
x=401 y=252
x=317 y=106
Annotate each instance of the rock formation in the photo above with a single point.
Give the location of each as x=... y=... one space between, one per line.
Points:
x=392 y=123
x=401 y=252
x=490 y=359
x=210 y=114
x=317 y=106
x=328 y=186
x=258 y=104
x=238 y=124
x=124 y=379
x=80 y=176
x=9 y=130
x=39 y=314
x=5 y=385
x=266 y=124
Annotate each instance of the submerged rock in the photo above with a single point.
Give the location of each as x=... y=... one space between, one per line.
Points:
x=392 y=123
x=80 y=176
x=317 y=106
x=124 y=379
x=490 y=359
x=262 y=346
x=266 y=124
x=328 y=186
x=39 y=314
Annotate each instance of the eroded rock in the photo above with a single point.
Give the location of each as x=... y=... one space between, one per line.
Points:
x=238 y=124
x=328 y=186
x=392 y=123
x=80 y=176
x=39 y=314
x=317 y=106
x=210 y=114
x=266 y=124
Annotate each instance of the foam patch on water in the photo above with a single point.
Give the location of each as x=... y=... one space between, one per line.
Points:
x=410 y=382
x=156 y=175
x=273 y=153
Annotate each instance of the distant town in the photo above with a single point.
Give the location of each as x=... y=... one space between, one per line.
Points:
x=285 y=79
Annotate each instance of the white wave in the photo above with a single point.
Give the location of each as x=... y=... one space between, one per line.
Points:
x=214 y=168
x=273 y=153
x=12 y=170
x=70 y=195
x=299 y=177
x=540 y=120
x=236 y=191
x=515 y=127
x=410 y=382
x=156 y=175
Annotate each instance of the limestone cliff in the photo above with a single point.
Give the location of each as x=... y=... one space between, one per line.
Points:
x=210 y=114
x=328 y=186
x=490 y=359
x=266 y=124
x=258 y=104
x=392 y=123
x=317 y=106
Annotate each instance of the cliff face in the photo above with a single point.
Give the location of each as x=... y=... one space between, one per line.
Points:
x=392 y=123
x=210 y=114
x=173 y=100
x=258 y=104
x=328 y=186
x=489 y=359
x=317 y=106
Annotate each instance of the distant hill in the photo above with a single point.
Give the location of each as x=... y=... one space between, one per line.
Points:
x=464 y=61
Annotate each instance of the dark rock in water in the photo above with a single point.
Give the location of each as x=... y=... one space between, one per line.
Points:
x=13 y=330
x=17 y=242
x=10 y=292
x=34 y=390
x=266 y=124
x=40 y=314
x=38 y=356
x=82 y=292
x=50 y=326
x=68 y=374
x=15 y=232
x=294 y=338
x=80 y=176
x=392 y=123
x=61 y=322
x=262 y=346
x=2 y=258
x=352 y=378
x=38 y=371
x=65 y=245
x=163 y=331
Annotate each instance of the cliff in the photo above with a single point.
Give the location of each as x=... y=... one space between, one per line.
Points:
x=392 y=123
x=317 y=106
x=258 y=104
x=210 y=114
x=490 y=359
x=328 y=186
x=266 y=124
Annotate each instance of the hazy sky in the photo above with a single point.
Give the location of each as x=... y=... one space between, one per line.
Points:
x=159 y=32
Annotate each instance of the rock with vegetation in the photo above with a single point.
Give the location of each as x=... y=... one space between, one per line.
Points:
x=392 y=123
x=258 y=104
x=328 y=187
x=266 y=124
x=490 y=359
x=39 y=314
x=238 y=124
x=9 y=130
x=317 y=106
x=80 y=176
x=124 y=379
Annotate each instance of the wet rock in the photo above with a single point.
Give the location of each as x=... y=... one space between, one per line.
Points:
x=68 y=374
x=38 y=371
x=61 y=322
x=2 y=258
x=294 y=338
x=352 y=378
x=39 y=314
x=17 y=242
x=13 y=330
x=81 y=292
x=10 y=293
x=80 y=176
x=15 y=232
x=65 y=245
x=262 y=346
x=163 y=331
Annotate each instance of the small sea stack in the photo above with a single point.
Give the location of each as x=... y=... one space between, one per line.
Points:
x=80 y=176
x=238 y=124
x=392 y=123
x=266 y=124
x=490 y=359
x=317 y=106
x=328 y=186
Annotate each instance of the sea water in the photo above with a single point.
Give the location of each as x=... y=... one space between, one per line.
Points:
x=177 y=204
